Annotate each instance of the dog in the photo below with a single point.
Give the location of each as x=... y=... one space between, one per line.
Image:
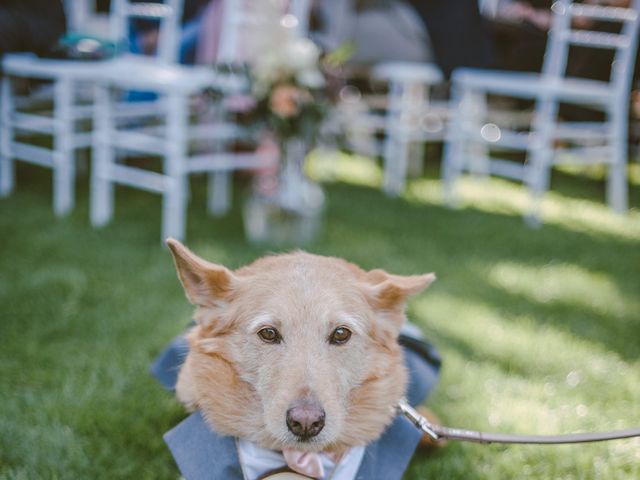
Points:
x=294 y=351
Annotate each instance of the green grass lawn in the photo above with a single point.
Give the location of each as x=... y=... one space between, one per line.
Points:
x=539 y=329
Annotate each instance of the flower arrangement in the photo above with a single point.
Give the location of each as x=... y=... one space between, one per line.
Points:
x=288 y=85
x=290 y=81
x=291 y=103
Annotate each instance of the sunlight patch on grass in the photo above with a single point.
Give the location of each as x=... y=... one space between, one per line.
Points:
x=517 y=404
x=566 y=284
x=489 y=194
x=480 y=395
x=494 y=195
x=513 y=375
x=590 y=217
x=634 y=173
x=593 y=172
x=520 y=345
x=342 y=167
x=599 y=172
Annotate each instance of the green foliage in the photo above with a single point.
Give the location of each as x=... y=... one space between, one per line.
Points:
x=312 y=108
x=339 y=56
x=539 y=329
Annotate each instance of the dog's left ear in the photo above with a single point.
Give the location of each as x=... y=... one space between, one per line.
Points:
x=205 y=284
x=390 y=292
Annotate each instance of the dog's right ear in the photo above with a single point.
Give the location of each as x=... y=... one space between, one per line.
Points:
x=205 y=284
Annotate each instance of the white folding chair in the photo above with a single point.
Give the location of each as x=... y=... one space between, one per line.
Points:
x=20 y=114
x=72 y=92
x=412 y=118
x=176 y=85
x=83 y=17
x=473 y=138
x=405 y=117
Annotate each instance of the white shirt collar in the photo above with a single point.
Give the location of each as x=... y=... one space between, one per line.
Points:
x=256 y=461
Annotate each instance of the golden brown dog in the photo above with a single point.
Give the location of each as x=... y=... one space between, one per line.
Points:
x=294 y=351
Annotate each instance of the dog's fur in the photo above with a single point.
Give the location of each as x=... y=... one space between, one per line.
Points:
x=245 y=386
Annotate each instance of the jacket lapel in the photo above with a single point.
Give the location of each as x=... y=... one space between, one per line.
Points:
x=201 y=453
x=167 y=364
x=388 y=457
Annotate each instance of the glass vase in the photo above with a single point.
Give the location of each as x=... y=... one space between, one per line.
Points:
x=285 y=208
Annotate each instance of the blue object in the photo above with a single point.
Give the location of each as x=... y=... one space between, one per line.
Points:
x=187 y=55
x=202 y=454
x=167 y=365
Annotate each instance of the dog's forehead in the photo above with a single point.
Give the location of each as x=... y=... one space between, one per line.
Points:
x=302 y=265
x=304 y=279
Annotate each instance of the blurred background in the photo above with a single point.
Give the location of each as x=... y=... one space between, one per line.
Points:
x=494 y=142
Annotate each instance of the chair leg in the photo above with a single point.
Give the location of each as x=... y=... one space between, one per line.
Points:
x=453 y=161
x=219 y=192
x=538 y=176
x=174 y=209
x=617 y=185
x=7 y=169
x=396 y=145
x=63 y=155
x=451 y=167
x=174 y=203
x=396 y=160
x=103 y=158
x=475 y=108
x=540 y=155
x=219 y=183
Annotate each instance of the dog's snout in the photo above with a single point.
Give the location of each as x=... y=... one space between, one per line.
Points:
x=305 y=419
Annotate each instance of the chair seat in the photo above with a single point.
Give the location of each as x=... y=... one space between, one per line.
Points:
x=140 y=73
x=533 y=85
x=30 y=65
x=126 y=72
x=427 y=73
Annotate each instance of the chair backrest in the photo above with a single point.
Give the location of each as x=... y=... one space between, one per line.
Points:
x=241 y=16
x=83 y=17
x=563 y=35
x=167 y=13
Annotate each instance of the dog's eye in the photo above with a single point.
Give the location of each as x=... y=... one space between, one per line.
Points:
x=269 y=335
x=340 y=336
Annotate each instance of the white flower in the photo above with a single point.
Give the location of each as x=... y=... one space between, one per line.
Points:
x=267 y=66
x=311 y=78
x=301 y=54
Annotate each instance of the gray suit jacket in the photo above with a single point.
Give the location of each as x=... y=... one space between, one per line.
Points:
x=203 y=454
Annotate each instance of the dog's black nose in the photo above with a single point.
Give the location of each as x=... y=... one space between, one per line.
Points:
x=305 y=419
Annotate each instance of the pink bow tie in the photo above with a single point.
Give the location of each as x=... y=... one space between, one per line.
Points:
x=306 y=463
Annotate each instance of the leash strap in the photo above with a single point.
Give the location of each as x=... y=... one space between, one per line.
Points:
x=437 y=432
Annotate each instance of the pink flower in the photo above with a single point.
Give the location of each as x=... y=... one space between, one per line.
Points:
x=286 y=99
